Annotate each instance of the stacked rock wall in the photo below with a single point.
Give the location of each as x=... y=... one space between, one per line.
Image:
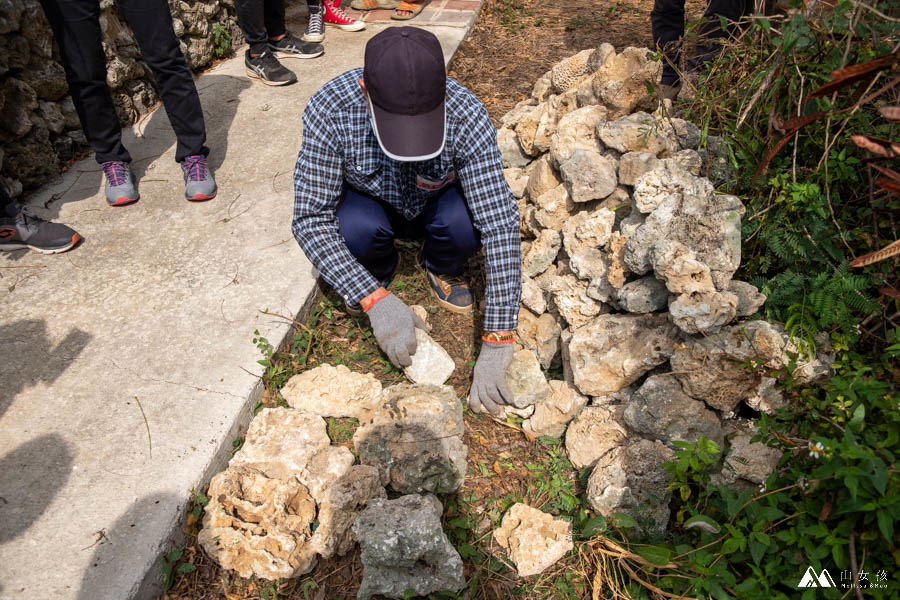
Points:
x=39 y=129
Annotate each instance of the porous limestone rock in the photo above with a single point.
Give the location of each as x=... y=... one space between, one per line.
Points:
x=588 y=229
x=329 y=391
x=324 y=468
x=767 y=397
x=595 y=432
x=403 y=547
x=540 y=334
x=511 y=153
x=535 y=128
x=677 y=265
x=612 y=398
x=592 y=265
x=431 y=364
x=660 y=410
x=553 y=413
x=517 y=180
x=615 y=350
x=542 y=253
x=541 y=177
x=533 y=297
x=258 y=526
x=577 y=129
x=753 y=461
x=749 y=298
x=533 y=539
x=553 y=208
x=589 y=175
x=685 y=160
x=708 y=225
x=631 y=480
x=542 y=88
x=567 y=72
x=280 y=442
x=634 y=164
x=644 y=295
x=618 y=270
x=714 y=368
x=512 y=118
x=686 y=134
x=669 y=182
x=637 y=132
x=571 y=299
x=338 y=509
x=415 y=439
x=621 y=83
x=525 y=379
x=703 y=312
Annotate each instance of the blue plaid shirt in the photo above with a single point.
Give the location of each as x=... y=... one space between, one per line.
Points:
x=339 y=147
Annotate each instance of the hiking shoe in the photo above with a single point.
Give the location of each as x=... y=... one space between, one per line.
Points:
x=291 y=47
x=452 y=293
x=315 y=28
x=120 y=188
x=199 y=184
x=267 y=69
x=335 y=16
x=25 y=231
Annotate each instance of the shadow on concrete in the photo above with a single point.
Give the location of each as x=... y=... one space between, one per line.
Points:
x=219 y=96
x=30 y=358
x=30 y=477
x=103 y=578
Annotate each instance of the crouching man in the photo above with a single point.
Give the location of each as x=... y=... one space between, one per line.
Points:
x=399 y=150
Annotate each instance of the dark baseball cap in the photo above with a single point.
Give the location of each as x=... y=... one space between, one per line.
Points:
x=407 y=84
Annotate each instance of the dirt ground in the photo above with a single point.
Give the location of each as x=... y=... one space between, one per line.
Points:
x=513 y=44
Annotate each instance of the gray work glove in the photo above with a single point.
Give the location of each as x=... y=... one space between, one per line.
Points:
x=393 y=324
x=489 y=388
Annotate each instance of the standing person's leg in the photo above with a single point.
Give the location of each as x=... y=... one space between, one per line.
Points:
x=251 y=17
x=282 y=43
x=151 y=22
x=76 y=27
x=315 y=27
x=710 y=31
x=667 y=23
x=450 y=239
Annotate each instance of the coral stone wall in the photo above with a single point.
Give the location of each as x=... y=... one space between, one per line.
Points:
x=39 y=129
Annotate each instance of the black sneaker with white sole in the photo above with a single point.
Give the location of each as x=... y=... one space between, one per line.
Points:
x=267 y=69
x=315 y=28
x=25 y=231
x=292 y=47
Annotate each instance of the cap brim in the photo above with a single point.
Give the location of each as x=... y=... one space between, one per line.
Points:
x=409 y=137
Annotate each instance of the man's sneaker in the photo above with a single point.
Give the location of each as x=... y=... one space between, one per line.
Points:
x=120 y=188
x=335 y=16
x=25 y=231
x=452 y=293
x=267 y=69
x=315 y=28
x=291 y=47
x=199 y=184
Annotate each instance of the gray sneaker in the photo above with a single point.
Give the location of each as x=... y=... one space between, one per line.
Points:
x=199 y=184
x=120 y=188
x=291 y=47
x=19 y=230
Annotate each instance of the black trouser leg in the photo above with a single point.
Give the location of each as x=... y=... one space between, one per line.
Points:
x=76 y=26
x=667 y=23
x=151 y=22
x=5 y=201
x=710 y=31
x=259 y=20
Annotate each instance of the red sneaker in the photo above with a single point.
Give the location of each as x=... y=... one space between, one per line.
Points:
x=335 y=16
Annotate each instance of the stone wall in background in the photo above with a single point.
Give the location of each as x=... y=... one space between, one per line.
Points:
x=39 y=129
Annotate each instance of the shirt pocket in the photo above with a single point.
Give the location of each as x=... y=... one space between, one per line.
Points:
x=362 y=170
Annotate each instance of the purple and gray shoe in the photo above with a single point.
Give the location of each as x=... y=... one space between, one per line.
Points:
x=199 y=184
x=120 y=183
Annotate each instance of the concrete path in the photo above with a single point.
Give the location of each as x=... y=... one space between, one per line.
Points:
x=126 y=365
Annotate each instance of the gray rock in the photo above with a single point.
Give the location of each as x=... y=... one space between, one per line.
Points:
x=632 y=480
x=577 y=129
x=415 y=439
x=403 y=547
x=660 y=410
x=339 y=507
x=431 y=364
x=516 y=179
x=554 y=208
x=621 y=83
x=677 y=265
x=525 y=379
x=512 y=118
x=703 y=312
x=533 y=297
x=588 y=229
x=280 y=442
x=589 y=175
x=541 y=177
x=329 y=391
x=552 y=414
x=686 y=160
x=748 y=460
x=637 y=132
x=571 y=299
x=634 y=164
x=511 y=152
x=644 y=295
x=615 y=350
x=749 y=298
x=542 y=253
x=596 y=431
x=540 y=334
x=668 y=182
x=533 y=130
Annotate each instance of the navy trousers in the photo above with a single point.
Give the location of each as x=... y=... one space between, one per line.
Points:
x=370 y=226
